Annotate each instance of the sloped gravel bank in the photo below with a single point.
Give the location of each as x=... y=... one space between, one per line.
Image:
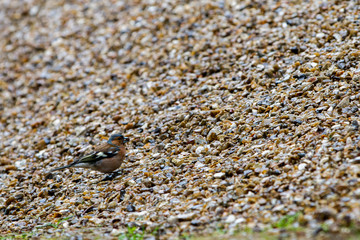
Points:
x=239 y=114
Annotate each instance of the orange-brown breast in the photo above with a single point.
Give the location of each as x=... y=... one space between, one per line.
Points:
x=108 y=165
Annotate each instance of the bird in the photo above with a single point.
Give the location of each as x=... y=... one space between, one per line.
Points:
x=106 y=157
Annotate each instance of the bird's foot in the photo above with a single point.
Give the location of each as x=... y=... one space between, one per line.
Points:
x=111 y=176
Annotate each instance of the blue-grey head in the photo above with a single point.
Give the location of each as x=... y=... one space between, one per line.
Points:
x=118 y=137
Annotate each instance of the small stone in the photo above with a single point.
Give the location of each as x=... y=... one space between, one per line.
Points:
x=320 y=35
x=102 y=206
x=247 y=173
x=240 y=220
x=267 y=122
x=130 y=182
x=150 y=238
x=195 y=222
x=357 y=193
x=199 y=165
x=186 y=216
x=117 y=118
x=21 y=164
x=302 y=166
x=130 y=208
x=325 y=214
x=116 y=232
x=344 y=102
x=343 y=33
x=177 y=161
x=96 y=220
x=262 y=201
x=175 y=201
x=65 y=224
x=200 y=150
x=337 y=37
x=213 y=134
x=129 y=126
x=34 y=10
x=219 y=175
x=230 y=219
x=278 y=208
x=41 y=145
x=294 y=50
x=57 y=123
x=355 y=160
x=213 y=113
x=80 y=130
x=9 y=200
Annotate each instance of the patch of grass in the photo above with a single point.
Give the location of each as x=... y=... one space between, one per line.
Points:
x=25 y=236
x=132 y=234
x=355 y=236
x=325 y=227
x=221 y=230
x=185 y=236
x=287 y=221
x=55 y=225
x=354 y=228
x=247 y=230
x=155 y=232
x=245 y=234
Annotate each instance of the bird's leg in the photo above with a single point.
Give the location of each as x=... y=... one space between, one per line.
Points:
x=111 y=176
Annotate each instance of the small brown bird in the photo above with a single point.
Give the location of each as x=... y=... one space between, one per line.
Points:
x=106 y=158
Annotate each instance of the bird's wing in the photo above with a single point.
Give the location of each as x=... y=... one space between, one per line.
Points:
x=98 y=155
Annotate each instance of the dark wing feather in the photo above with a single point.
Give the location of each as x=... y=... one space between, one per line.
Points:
x=98 y=155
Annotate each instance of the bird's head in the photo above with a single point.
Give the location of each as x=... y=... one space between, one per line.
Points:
x=118 y=139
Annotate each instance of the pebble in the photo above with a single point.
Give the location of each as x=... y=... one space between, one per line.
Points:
x=230 y=219
x=219 y=175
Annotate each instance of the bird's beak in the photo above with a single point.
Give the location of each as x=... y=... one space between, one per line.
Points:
x=126 y=139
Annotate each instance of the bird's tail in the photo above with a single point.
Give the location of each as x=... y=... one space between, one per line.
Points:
x=59 y=168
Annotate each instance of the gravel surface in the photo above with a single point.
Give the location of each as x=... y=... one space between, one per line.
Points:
x=239 y=114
